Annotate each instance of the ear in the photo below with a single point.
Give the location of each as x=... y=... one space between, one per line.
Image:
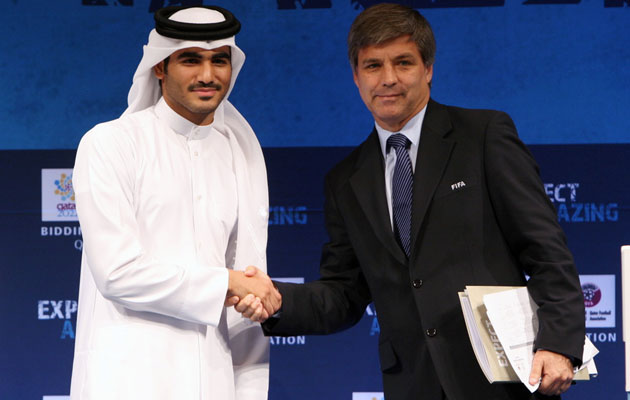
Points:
x=429 y=74
x=354 y=76
x=158 y=70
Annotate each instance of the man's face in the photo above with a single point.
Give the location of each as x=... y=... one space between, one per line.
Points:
x=195 y=81
x=393 y=81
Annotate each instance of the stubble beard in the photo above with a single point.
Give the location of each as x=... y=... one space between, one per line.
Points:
x=208 y=106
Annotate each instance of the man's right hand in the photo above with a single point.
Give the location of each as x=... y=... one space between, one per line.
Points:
x=258 y=297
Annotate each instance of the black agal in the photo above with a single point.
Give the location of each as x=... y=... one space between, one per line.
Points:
x=191 y=31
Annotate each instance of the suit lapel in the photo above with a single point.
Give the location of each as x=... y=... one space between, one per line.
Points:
x=433 y=155
x=368 y=184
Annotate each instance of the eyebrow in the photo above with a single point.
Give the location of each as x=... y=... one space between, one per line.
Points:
x=193 y=54
x=189 y=54
x=371 y=61
x=222 y=55
x=402 y=56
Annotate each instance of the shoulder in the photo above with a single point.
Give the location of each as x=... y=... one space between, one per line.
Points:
x=467 y=125
x=460 y=116
x=118 y=132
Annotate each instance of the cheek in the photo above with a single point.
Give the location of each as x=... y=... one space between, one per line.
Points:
x=225 y=76
x=365 y=95
x=175 y=83
x=365 y=88
x=420 y=86
x=179 y=88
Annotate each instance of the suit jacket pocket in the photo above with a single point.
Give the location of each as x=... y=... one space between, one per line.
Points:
x=387 y=356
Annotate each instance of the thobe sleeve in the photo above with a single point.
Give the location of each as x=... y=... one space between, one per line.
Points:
x=123 y=271
x=250 y=357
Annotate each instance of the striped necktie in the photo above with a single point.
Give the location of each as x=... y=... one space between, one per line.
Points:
x=402 y=191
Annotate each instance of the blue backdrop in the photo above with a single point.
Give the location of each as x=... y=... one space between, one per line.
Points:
x=560 y=70
x=558 y=67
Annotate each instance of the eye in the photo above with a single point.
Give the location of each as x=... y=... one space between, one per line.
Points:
x=220 y=61
x=190 y=61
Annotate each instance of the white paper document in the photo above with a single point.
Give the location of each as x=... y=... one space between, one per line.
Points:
x=513 y=315
x=515 y=322
x=588 y=362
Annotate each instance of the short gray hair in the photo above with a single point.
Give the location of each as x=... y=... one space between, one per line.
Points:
x=384 y=22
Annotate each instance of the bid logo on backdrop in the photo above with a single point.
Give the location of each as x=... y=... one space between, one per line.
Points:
x=368 y=396
x=58 y=195
x=599 y=300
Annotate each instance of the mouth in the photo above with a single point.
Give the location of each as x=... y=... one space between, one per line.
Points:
x=205 y=91
x=388 y=96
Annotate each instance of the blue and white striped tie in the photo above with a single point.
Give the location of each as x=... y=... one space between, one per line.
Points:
x=402 y=191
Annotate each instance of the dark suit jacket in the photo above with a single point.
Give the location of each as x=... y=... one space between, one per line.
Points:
x=480 y=217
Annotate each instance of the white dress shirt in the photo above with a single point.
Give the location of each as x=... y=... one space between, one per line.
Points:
x=412 y=130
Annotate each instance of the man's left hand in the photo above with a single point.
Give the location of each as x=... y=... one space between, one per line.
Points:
x=555 y=370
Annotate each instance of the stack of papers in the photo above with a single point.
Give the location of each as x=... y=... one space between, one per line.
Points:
x=502 y=324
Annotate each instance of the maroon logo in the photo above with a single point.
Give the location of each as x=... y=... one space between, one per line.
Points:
x=592 y=294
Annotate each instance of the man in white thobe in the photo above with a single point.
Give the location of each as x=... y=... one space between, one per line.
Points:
x=172 y=201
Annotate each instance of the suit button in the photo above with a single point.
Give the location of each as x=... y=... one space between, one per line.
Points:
x=417 y=283
x=431 y=332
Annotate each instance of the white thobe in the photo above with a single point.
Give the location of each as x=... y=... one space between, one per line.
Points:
x=158 y=198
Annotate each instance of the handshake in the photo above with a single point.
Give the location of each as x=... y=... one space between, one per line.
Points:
x=253 y=294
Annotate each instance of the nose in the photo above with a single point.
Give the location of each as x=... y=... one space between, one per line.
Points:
x=389 y=77
x=206 y=73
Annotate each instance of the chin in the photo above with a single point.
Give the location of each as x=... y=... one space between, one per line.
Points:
x=390 y=118
x=203 y=109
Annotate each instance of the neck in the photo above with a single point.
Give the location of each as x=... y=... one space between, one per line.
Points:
x=201 y=119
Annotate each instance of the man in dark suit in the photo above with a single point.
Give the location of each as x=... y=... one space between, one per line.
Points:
x=454 y=199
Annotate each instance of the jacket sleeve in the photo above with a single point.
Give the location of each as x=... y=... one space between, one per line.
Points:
x=334 y=302
x=529 y=224
x=123 y=271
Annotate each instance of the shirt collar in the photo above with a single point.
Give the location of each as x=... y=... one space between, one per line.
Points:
x=180 y=124
x=411 y=130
